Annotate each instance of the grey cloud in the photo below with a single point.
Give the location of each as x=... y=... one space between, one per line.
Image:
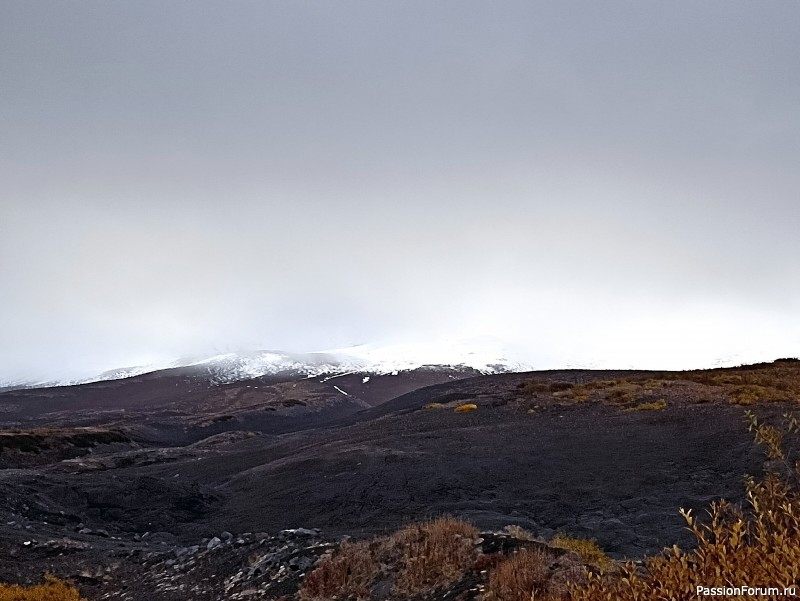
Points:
x=183 y=177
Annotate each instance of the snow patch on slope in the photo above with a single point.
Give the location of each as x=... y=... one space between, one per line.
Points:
x=484 y=355
x=232 y=367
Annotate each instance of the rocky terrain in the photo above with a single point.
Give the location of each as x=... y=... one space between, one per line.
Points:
x=167 y=486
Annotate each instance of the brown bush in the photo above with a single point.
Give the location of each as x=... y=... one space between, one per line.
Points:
x=534 y=574
x=420 y=557
x=620 y=395
x=521 y=577
x=347 y=574
x=52 y=590
x=432 y=554
x=487 y=562
x=533 y=387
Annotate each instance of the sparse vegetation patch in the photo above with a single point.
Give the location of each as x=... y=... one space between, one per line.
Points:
x=747 y=385
x=347 y=574
x=52 y=590
x=586 y=548
x=39 y=439
x=654 y=406
x=432 y=554
x=526 y=575
x=419 y=558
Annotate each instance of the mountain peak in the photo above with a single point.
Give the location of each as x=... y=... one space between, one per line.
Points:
x=485 y=355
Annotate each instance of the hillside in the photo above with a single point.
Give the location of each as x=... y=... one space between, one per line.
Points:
x=603 y=455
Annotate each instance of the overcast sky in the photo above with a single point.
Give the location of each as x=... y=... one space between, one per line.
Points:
x=600 y=183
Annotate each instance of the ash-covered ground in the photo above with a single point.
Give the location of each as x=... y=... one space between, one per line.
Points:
x=166 y=486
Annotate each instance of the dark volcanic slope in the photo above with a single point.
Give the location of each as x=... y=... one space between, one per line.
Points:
x=591 y=469
x=178 y=406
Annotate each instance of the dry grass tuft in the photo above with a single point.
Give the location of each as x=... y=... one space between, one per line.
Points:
x=521 y=577
x=52 y=590
x=466 y=407
x=748 y=394
x=420 y=558
x=432 y=554
x=534 y=574
x=519 y=532
x=347 y=574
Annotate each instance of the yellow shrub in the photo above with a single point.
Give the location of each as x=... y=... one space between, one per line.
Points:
x=654 y=406
x=748 y=394
x=578 y=393
x=52 y=590
x=466 y=407
x=587 y=549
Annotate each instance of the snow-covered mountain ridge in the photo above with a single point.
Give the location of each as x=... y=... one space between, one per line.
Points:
x=484 y=357
x=366 y=359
